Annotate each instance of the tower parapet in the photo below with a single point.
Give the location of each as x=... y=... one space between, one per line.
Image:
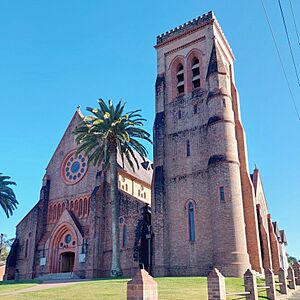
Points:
x=184 y=28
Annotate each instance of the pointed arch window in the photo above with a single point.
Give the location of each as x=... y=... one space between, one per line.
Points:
x=188 y=148
x=26 y=248
x=124 y=236
x=85 y=207
x=58 y=211
x=191 y=222
x=50 y=214
x=80 y=207
x=54 y=213
x=195 y=72
x=180 y=79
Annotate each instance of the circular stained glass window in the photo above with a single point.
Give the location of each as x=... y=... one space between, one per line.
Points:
x=68 y=238
x=74 y=168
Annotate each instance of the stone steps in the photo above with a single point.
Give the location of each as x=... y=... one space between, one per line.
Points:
x=58 y=277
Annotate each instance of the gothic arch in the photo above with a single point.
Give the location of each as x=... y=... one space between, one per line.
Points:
x=57 y=244
x=172 y=70
x=186 y=204
x=194 y=53
x=190 y=219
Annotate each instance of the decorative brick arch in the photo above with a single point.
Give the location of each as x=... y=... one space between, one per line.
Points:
x=194 y=53
x=57 y=244
x=172 y=70
x=186 y=204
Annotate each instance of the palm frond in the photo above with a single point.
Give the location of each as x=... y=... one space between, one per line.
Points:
x=8 y=200
x=108 y=127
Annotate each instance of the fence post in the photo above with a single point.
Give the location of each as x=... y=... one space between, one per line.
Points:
x=270 y=282
x=296 y=267
x=142 y=287
x=291 y=278
x=216 y=285
x=282 y=281
x=250 y=285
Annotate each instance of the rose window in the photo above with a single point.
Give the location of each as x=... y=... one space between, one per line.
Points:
x=74 y=168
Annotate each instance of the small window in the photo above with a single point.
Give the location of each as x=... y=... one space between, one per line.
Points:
x=191 y=222
x=222 y=194
x=196 y=73
x=144 y=195
x=195 y=108
x=54 y=213
x=188 y=148
x=80 y=207
x=124 y=236
x=85 y=207
x=139 y=193
x=58 y=211
x=179 y=114
x=180 y=79
x=126 y=187
x=26 y=248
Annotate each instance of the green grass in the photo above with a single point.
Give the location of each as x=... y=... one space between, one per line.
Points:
x=11 y=285
x=170 y=288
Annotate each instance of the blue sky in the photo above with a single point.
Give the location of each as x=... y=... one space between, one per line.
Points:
x=55 y=55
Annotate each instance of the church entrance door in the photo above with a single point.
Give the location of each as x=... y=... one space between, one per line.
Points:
x=67 y=262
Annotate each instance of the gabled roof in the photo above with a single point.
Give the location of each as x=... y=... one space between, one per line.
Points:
x=216 y=64
x=283 y=237
x=276 y=230
x=75 y=119
x=143 y=174
x=256 y=180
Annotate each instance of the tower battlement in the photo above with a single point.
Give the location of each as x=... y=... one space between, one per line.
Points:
x=190 y=25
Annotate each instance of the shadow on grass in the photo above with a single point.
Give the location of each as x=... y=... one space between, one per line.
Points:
x=25 y=281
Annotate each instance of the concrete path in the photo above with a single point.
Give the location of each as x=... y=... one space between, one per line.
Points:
x=295 y=296
x=42 y=286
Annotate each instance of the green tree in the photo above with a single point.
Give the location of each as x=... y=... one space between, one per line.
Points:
x=8 y=199
x=104 y=134
x=291 y=259
x=5 y=244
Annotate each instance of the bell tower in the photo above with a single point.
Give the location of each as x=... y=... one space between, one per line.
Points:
x=197 y=204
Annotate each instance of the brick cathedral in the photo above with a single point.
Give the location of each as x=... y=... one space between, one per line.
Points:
x=194 y=208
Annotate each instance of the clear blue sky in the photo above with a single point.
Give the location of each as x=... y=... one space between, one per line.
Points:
x=55 y=55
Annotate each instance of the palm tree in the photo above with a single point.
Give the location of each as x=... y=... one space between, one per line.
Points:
x=8 y=199
x=104 y=134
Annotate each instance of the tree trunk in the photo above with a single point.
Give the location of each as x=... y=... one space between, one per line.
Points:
x=115 y=215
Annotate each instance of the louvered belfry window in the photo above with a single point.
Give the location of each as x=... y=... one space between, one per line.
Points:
x=196 y=73
x=180 y=79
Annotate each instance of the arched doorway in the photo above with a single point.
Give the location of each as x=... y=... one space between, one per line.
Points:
x=63 y=249
x=67 y=262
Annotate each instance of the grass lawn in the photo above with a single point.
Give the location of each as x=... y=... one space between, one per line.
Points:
x=8 y=286
x=170 y=288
